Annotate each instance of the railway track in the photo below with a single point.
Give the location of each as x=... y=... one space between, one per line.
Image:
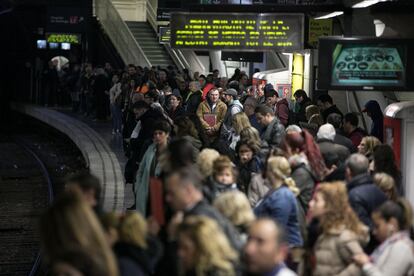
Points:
x=25 y=191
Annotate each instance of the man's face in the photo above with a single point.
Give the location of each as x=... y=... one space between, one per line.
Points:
x=216 y=74
x=321 y=105
x=176 y=193
x=261 y=250
x=228 y=98
x=162 y=75
x=271 y=101
x=347 y=127
x=214 y=96
x=193 y=87
x=181 y=85
x=299 y=99
x=131 y=71
x=264 y=120
x=248 y=109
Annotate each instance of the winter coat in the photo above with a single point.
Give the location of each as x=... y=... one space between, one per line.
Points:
x=273 y=133
x=192 y=102
x=245 y=172
x=344 y=141
x=330 y=110
x=143 y=178
x=282 y=111
x=334 y=251
x=178 y=112
x=365 y=197
x=234 y=107
x=304 y=180
x=257 y=189
x=134 y=260
x=327 y=146
x=395 y=256
x=280 y=204
x=220 y=111
x=202 y=208
x=212 y=189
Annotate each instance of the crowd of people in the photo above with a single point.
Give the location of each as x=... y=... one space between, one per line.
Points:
x=231 y=178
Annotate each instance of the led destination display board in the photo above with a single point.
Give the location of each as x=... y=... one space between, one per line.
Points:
x=237 y=31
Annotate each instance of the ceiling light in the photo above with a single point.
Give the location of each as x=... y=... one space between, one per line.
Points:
x=330 y=15
x=366 y=3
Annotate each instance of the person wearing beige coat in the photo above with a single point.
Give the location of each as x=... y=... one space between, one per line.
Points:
x=213 y=105
x=343 y=234
x=334 y=252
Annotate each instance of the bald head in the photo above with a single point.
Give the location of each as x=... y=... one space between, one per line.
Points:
x=264 y=248
x=357 y=164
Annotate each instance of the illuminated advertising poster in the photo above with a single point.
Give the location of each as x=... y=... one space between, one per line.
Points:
x=237 y=31
x=359 y=65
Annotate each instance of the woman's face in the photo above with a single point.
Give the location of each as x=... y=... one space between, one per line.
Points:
x=245 y=154
x=174 y=102
x=186 y=252
x=160 y=137
x=381 y=227
x=317 y=206
x=361 y=147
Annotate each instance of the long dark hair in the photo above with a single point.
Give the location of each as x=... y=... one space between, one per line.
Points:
x=384 y=161
x=400 y=210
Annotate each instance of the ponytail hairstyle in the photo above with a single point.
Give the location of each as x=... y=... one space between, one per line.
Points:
x=400 y=210
x=278 y=167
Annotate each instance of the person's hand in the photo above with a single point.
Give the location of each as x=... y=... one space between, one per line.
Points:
x=153 y=226
x=361 y=259
x=176 y=220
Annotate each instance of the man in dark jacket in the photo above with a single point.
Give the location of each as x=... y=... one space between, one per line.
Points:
x=184 y=194
x=193 y=99
x=336 y=120
x=352 y=130
x=325 y=139
x=373 y=111
x=279 y=105
x=364 y=195
x=327 y=107
x=273 y=131
x=233 y=107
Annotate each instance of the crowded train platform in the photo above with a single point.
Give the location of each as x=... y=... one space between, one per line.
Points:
x=207 y=138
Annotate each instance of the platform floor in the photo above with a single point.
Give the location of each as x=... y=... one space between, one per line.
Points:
x=104 y=128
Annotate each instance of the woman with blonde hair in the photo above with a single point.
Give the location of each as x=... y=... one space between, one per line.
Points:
x=137 y=251
x=367 y=145
x=70 y=223
x=387 y=184
x=236 y=208
x=205 y=161
x=204 y=249
x=342 y=232
x=280 y=202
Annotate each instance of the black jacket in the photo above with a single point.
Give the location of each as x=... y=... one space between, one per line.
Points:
x=134 y=260
x=344 y=141
x=327 y=146
x=192 y=103
x=330 y=110
x=305 y=181
x=301 y=114
x=365 y=197
x=202 y=208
